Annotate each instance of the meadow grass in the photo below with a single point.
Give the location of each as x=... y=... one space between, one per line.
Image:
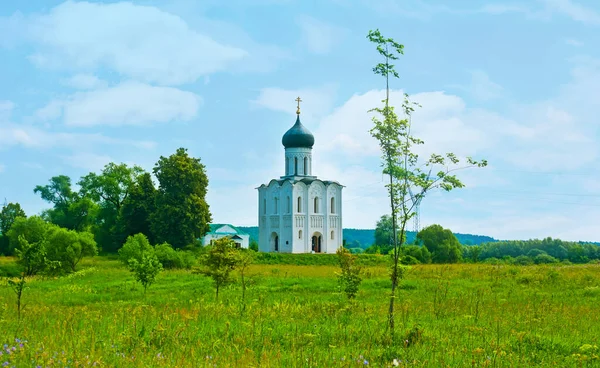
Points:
x=447 y=316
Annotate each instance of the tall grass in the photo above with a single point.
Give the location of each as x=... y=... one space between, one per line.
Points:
x=448 y=315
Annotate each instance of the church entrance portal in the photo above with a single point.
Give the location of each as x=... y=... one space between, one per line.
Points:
x=275 y=242
x=316 y=242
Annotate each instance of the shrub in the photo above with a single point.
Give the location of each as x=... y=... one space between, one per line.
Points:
x=544 y=258
x=409 y=260
x=523 y=261
x=535 y=252
x=173 y=259
x=145 y=270
x=349 y=278
x=133 y=248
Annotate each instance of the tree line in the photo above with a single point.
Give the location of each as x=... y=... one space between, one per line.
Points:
x=118 y=202
x=435 y=244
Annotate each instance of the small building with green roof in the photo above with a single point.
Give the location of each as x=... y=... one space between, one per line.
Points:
x=217 y=231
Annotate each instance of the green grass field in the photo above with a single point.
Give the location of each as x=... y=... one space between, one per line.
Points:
x=447 y=316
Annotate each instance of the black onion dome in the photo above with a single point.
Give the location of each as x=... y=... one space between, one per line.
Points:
x=298 y=136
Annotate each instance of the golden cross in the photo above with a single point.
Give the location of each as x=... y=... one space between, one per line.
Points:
x=298 y=110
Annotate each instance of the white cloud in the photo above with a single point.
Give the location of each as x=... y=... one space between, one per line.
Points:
x=6 y=108
x=482 y=87
x=502 y=9
x=554 y=134
x=85 y=81
x=573 y=42
x=87 y=161
x=137 y=41
x=35 y=138
x=577 y=12
x=129 y=103
x=52 y=111
x=319 y=37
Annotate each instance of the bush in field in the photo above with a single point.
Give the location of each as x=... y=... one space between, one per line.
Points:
x=172 y=259
x=140 y=257
x=69 y=247
x=544 y=258
x=145 y=270
x=134 y=248
x=349 y=278
x=409 y=260
x=523 y=261
x=218 y=262
x=49 y=248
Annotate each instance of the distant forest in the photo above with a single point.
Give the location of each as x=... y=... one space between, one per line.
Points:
x=363 y=238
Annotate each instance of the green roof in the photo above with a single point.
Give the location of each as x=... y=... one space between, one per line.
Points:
x=215 y=227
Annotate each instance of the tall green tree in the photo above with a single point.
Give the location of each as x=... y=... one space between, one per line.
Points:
x=110 y=189
x=442 y=244
x=70 y=209
x=400 y=163
x=182 y=214
x=9 y=213
x=384 y=231
x=138 y=208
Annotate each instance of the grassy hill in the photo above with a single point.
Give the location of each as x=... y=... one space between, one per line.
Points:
x=363 y=238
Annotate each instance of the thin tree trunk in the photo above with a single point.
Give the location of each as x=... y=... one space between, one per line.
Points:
x=393 y=205
x=395 y=268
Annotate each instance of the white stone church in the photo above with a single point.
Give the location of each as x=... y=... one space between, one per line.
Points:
x=299 y=213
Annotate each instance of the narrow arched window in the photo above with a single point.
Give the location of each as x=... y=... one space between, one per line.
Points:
x=295 y=165
x=332 y=234
x=332 y=204
x=305 y=166
x=316 y=205
x=275 y=205
x=299 y=234
x=299 y=204
x=288 y=204
x=264 y=206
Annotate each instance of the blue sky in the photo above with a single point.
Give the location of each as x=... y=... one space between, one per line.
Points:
x=517 y=83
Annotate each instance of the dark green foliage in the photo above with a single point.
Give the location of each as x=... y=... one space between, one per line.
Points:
x=32 y=257
x=134 y=248
x=9 y=213
x=544 y=258
x=523 y=261
x=30 y=232
x=442 y=244
x=71 y=210
x=384 y=233
x=42 y=247
x=109 y=190
x=575 y=252
x=419 y=253
x=182 y=214
x=364 y=238
x=253 y=245
x=138 y=208
x=69 y=247
x=174 y=258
